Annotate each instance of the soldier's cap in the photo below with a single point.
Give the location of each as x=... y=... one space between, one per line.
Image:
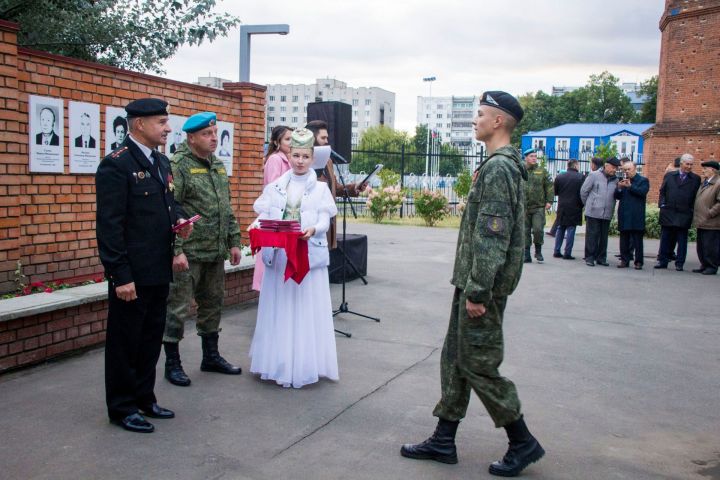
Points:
x=613 y=161
x=302 y=138
x=146 y=107
x=528 y=152
x=711 y=164
x=199 y=121
x=504 y=101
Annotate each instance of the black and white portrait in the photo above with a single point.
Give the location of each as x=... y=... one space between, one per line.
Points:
x=84 y=120
x=116 y=128
x=177 y=136
x=224 y=150
x=46 y=134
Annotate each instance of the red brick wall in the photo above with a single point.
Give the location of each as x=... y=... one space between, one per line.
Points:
x=688 y=110
x=47 y=221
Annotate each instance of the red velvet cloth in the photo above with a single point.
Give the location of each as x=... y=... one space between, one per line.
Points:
x=298 y=264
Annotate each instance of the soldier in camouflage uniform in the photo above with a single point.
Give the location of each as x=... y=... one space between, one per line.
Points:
x=488 y=264
x=201 y=186
x=539 y=195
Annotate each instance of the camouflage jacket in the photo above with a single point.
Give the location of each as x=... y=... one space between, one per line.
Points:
x=202 y=187
x=489 y=255
x=539 y=189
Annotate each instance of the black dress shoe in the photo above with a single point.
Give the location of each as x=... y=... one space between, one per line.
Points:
x=638 y=266
x=134 y=423
x=156 y=411
x=709 y=271
x=679 y=268
x=568 y=257
x=557 y=255
x=603 y=263
x=623 y=264
x=589 y=263
x=698 y=270
x=660 y=265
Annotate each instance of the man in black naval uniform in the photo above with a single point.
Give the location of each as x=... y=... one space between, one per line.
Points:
x=136 y=211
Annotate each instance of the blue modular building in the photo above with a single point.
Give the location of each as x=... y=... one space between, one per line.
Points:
x=579 y=141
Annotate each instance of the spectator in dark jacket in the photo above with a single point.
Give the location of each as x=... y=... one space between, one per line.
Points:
x=569 y=211
x=677 y=198
x=632 y=193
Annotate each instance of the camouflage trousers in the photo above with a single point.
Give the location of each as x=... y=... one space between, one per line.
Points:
x=472 y=353
x=535 y=225
x=204 y=282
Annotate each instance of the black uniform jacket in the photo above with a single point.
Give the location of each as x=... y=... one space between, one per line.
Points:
x=135 y=213
x=677 y=199
x=570 y=206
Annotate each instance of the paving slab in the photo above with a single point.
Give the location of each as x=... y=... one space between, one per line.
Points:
x=617 y=371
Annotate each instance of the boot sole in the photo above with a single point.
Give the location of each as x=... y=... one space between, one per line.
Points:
x=217 y=370
x=179 y=384
x=420 y=456
x=536 y=455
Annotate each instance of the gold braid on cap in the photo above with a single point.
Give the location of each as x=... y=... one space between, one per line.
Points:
x=302 y=138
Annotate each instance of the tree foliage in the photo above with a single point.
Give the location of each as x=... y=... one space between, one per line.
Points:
x=131 y=34
x=648 y=88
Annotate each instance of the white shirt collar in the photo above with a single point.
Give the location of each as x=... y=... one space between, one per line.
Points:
x=144 y=148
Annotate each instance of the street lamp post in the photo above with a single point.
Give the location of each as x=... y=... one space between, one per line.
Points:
x=245 y=32
x=427 y=143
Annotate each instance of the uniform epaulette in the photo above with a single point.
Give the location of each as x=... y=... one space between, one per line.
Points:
x=118 y=152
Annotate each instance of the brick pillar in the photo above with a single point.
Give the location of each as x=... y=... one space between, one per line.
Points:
x=13 y=155
x=688 y=111
x=248 y=182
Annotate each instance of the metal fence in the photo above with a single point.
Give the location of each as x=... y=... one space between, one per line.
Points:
x=555 y=161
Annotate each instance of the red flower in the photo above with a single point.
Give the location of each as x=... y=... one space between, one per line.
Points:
x=99 y=279
x=27 y=290
x=37 y=284
x=169 y=178
x=48 y=290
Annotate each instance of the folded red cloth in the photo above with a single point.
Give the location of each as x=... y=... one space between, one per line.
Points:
x=296 y=250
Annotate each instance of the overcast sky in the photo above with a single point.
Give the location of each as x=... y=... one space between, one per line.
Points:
x=469 y=45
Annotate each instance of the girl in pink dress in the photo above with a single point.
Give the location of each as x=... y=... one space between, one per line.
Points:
x=276 y=163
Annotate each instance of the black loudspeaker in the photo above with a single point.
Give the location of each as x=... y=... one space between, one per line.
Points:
x=338 y=116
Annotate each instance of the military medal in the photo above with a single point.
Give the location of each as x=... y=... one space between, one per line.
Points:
x=171 y=185
x=141 y=175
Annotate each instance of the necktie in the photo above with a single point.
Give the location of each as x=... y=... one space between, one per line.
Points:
x=706 y=183
x=85 y=143
x=46 y=141
x=156 y=163
x=682 y=177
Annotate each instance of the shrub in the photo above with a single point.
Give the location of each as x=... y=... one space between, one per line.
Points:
x=432 y=206
x=652 y=224
x=463 y=184
x=384 y=202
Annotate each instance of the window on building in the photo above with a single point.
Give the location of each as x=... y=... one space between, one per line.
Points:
x=368 y=101
x=295 y=98
x=307 y=98
x=283 y=98
x=271 y=119
x=271 y=109
x=367 y=113
x=283 y=119
x=427 y=115
x=367 y=124
x=354 y=113
x=440 y=106
x=448 y=125
x=354 y=124
x=282 y=108
x=439 y=115
x=271 y=98
x=295 y=109
x=438 y=125
x=355 y=102
x=294 y=119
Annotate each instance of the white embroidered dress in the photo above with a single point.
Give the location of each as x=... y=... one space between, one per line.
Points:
x=294 y=340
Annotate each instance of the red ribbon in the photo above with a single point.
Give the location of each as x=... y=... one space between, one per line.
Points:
x=296 y=250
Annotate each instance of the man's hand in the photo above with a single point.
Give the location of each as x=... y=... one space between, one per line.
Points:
x=308 y=233
x=548 y=206
x=624 y=183
x=474 y=310
x=180 y=263
x=186 y=230
x=235 y=256
x=126 y=292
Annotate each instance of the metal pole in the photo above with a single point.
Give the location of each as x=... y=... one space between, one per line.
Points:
x=402 y=176
x=245 y=32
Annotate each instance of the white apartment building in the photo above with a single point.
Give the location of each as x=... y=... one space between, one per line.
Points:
x=212 y=82
x=371 y=106
x=451 y=118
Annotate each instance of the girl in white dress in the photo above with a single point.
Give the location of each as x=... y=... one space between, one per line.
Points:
x=294 y=340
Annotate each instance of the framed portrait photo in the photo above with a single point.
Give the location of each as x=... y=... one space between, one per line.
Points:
x=84 y=140
x=116 y=128
x=46 y=134
x=224 y=150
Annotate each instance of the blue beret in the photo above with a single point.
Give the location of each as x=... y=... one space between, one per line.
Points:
x=504 y=101
x=146 y=107
x=199 y=121
x=528 y=152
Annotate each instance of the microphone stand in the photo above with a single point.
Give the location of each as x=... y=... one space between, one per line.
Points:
x=343 y=308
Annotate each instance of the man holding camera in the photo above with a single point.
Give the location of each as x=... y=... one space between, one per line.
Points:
x=631 y=192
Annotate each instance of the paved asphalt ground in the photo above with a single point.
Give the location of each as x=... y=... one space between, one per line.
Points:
x=617 y=370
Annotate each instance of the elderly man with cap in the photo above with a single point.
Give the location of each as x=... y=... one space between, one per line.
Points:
x=136 y=212
x=539 y=194
x=598 y=196
x=202 y=187
x=488 y=264
x=706 y=218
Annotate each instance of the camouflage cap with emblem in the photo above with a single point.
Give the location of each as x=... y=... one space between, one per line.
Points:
x=504 y=101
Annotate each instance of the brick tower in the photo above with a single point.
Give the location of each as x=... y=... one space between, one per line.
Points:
x=688 y=103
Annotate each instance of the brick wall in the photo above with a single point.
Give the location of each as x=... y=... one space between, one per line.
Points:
x=47 y=221
x=688 y=111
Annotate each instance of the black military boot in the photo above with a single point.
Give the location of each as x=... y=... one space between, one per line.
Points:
x=528 y=258
x=523 y=450
x=173 y=368
x=439 y=447
x=538 y=254
x=212 y=360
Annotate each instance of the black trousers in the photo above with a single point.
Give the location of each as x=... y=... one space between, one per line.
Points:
x=132 y=348
x=596 y=239
x=631 y=244
x=669 y=236
x=708 y=248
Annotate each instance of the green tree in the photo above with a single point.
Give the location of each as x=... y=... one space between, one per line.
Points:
x=649 y=89
x=122 y=33
x=603 y=101
x=384 y=144
x=606 y=150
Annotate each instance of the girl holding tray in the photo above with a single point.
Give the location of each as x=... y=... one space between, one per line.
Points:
x=294 y=340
